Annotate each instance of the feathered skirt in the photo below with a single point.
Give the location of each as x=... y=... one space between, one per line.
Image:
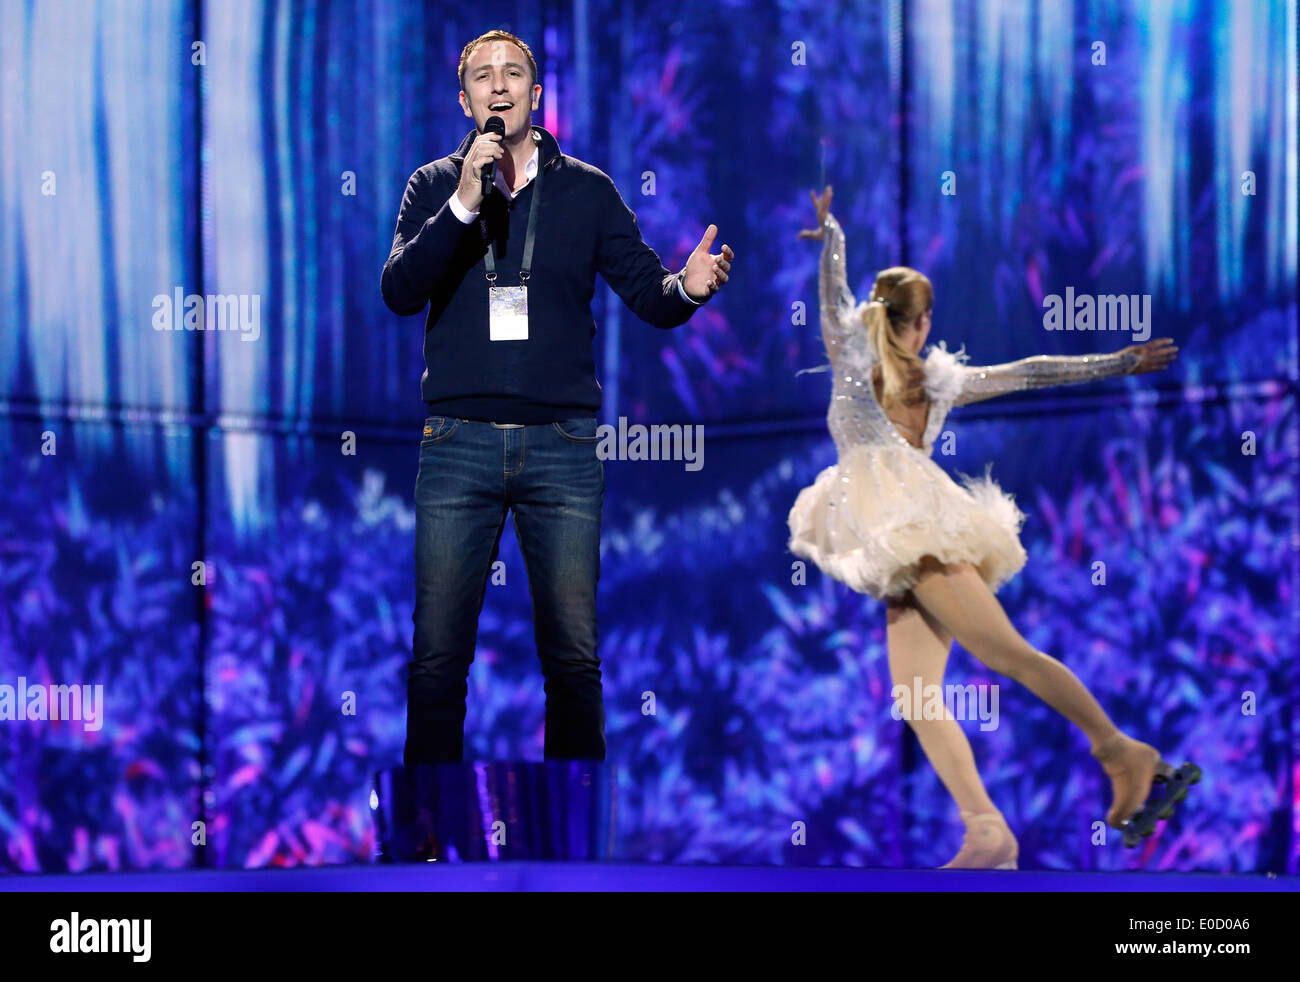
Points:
x=868 y=520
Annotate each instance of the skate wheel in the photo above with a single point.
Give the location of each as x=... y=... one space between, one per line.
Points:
x=1193 y=774
x=1180 y=794
x=1167 y=811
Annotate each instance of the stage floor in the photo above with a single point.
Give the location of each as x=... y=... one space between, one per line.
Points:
x=624 y=877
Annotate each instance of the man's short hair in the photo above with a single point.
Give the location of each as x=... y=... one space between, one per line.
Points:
x=487 y=38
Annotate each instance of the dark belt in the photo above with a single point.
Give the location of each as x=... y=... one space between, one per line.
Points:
x=500 y=426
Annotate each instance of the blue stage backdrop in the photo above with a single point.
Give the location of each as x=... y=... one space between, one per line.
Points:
x=182 y=522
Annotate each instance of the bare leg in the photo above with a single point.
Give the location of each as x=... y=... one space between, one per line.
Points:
x=962 y=602
x=918 y=646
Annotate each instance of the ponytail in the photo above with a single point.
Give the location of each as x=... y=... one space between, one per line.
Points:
x=901 y=370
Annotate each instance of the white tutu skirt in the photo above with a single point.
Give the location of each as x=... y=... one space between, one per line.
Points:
x=869 y=519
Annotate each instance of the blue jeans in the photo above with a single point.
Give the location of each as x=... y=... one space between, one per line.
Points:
x=471 y=473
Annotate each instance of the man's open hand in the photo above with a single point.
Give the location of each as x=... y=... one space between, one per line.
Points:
x=705 y=274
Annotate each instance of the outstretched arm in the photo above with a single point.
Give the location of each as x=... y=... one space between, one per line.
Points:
x=833 y=293
x=981 y=382
x=633 y=270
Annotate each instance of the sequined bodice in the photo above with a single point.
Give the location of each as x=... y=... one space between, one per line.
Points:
x=856 y=417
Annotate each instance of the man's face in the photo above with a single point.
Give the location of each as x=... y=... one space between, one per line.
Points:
x=498 y=73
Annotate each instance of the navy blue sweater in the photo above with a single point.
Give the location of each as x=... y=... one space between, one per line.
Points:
x=583 y=228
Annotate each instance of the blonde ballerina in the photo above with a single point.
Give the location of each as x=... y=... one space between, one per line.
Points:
x=887 y=521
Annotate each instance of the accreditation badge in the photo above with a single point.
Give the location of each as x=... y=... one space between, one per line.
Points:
x=508 y=313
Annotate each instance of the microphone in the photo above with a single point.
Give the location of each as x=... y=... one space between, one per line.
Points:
x=493 y=124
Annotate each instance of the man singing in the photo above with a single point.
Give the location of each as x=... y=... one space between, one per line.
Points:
x=511 y=386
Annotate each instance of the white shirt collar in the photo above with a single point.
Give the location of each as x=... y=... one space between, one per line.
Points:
x=530 y=170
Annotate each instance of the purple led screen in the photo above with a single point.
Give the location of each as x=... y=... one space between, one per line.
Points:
x=180 y=526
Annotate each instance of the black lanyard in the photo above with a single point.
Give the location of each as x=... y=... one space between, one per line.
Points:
x=525 y=270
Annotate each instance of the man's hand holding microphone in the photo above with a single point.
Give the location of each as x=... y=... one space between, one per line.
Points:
x=485 y=151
